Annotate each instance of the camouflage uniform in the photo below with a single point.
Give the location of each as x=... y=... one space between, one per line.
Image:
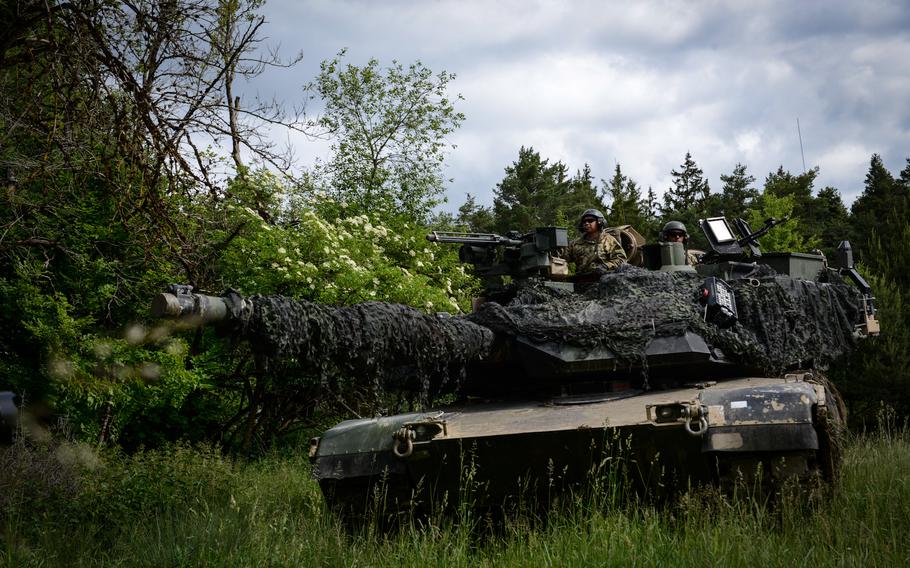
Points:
x=691 y=259
x=589 y=255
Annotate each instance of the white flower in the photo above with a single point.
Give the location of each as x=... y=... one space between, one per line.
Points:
x=281 y=250
x=419 y=264
x=412 y=253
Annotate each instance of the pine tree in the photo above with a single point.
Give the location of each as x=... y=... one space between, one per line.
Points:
x=626 y=206
x=582 y=195
x=738 y=195
x=882 y=209
x=834 y=219
x=688 y=200
x=689 y=187
x=799 y=188
x=535 y=193
x=475 y=218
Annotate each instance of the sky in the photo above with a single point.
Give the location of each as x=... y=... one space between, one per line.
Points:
x=636 y=83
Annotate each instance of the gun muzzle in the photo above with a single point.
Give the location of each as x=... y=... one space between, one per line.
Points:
x=180 y=303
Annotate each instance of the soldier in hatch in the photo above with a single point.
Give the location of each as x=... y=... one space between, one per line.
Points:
x=596 y=250
x=675 y=232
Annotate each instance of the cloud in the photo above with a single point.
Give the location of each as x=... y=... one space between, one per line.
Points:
x=638 y=83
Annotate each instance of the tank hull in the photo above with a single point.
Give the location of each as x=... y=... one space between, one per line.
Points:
x=489 y=454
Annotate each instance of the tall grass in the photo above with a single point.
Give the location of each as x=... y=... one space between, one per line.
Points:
x=194 y=507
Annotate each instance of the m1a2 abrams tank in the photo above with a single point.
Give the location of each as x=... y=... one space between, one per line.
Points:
x=702 y=374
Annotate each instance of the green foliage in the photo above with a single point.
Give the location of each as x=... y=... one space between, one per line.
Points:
x=536 y=193
x=197 y=508
x=689 y=188
x=389 y=130
x=822 y=218
x=344 y=260
x=688 y=200
x=626 y=204
x=473 y=217
x=103 y=203
x=834 y=221
x=737 y=195
x=879 y=372
x=782 y=238
x=883 y=207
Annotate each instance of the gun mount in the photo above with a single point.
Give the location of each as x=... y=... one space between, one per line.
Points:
x=514 y=255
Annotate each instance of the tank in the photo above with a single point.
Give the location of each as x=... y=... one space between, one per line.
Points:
x=685 y=374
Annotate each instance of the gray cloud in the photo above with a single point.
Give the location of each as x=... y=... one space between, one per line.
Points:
x=635 y=83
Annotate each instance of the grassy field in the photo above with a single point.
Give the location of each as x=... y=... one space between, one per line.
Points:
x=195 y=507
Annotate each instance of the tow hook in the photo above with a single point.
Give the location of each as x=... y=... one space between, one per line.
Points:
x=695 y=414
x=403 y=441
x=417 y=432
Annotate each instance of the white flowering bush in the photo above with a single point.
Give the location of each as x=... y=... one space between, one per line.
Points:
x=345 y=260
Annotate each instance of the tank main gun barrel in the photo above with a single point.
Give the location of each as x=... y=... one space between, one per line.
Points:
x=389 y=344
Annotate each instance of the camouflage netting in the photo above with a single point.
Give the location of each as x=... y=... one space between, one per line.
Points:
x=783 y=322
x=394 y=347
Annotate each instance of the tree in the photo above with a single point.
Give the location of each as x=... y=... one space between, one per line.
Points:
x=834 y=220
x=882 y=209
x=689 y=188
x=782 y=183
x=688 y=200
x=786 y=237
x=389 y=130
x=737 y=195
x=805 y=214
x=626 y=205
x=524 y=199
x=536 y=193
x=110 y=190
x=476 y=218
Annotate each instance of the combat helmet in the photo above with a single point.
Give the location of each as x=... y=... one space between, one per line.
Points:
x=674 y=226
x=601 y=222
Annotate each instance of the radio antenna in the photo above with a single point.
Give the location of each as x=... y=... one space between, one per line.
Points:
x=801 y=153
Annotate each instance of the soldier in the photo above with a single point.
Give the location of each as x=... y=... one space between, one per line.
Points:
x=595 y=250
x=675 y=232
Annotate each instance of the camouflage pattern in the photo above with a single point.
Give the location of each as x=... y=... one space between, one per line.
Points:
x=691 y=259
x=589 y=255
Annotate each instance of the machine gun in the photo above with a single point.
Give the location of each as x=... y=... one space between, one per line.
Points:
x=515 y=255
x=725 y=245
